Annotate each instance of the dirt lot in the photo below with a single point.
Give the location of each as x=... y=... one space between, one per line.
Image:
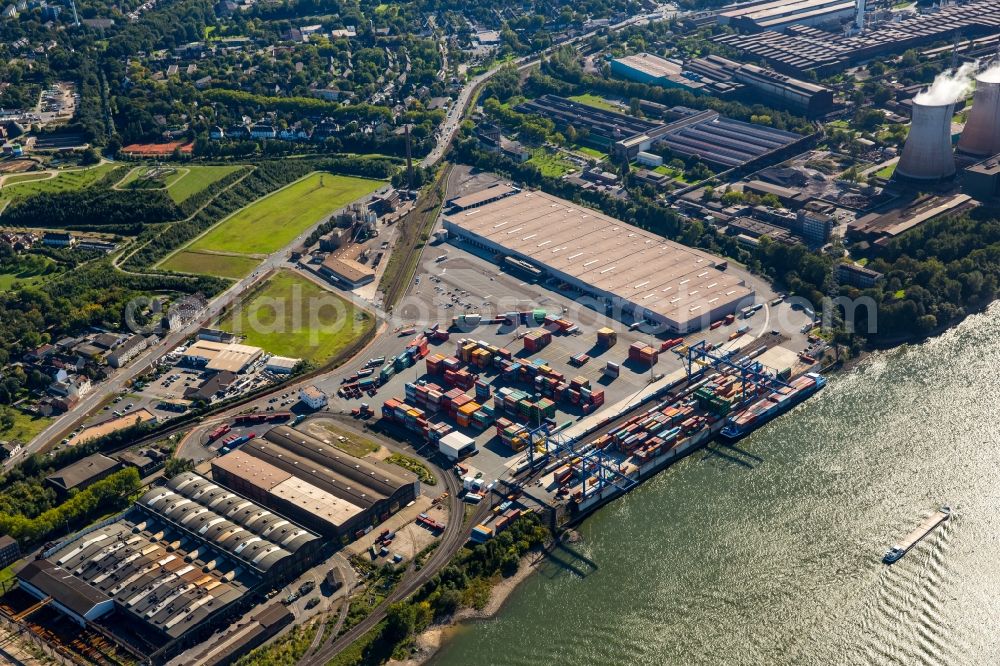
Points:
x=15 y=166
x=411 y=538
x=111 y=425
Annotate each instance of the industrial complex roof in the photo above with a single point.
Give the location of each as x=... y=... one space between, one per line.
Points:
x=316 y=500
x=152 y=572
x=184 y=553
x=497 y=191
x=82 y=471
x=71 y=592
x=283 y=485
x=359 y=481
x=723 y=141
x=666 y=278
x=800 y=47
x=652 y=65
x=223 y=356
x=236 y=526
x=252 y=470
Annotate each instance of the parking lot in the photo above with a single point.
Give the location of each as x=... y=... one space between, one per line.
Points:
x=466 y=282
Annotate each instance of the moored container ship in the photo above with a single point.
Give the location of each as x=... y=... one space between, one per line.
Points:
x=765 y=409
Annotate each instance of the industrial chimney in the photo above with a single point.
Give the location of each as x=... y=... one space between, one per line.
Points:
x=927 y=153
x=981 y=136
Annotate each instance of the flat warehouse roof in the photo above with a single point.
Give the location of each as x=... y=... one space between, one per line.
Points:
x=669 y=279
x=223 y=356
x=252 y=470
x=651 y=64
x=316 y=501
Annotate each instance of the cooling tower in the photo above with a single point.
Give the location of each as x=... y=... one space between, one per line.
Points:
x=981 y=136
x=927 y=153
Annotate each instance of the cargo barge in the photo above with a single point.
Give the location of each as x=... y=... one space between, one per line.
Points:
x=772 y=405
x=926 y=527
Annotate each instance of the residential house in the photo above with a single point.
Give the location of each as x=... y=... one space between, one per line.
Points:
x=58 y=239
x=9 y=450
x=127 y=351
x=263 y=131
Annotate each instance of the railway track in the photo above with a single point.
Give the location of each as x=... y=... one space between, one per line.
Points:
x=454 y=537
x=414 y=226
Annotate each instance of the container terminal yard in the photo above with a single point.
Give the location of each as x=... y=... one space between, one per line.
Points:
x=526 y=391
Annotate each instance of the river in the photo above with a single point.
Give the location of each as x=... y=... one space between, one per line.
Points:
x=770 y=552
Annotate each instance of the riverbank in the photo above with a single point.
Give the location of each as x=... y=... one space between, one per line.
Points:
x=428 y=642
x=799 y=511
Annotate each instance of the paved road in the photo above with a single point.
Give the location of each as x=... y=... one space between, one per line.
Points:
x=458 y=110
x=122 y=378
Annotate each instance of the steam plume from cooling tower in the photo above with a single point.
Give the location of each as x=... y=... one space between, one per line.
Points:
x=991 y=74
x=949 y=86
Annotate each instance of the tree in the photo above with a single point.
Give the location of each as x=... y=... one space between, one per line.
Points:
x=400 y=621
x=177 y=466
x=90 y=156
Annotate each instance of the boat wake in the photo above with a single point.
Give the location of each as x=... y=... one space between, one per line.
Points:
x=904 y=623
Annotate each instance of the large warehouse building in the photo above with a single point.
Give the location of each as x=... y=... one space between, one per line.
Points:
x=723 y=142
x=779 y=14
x=315 y=483
x=799 y=48
x=719 y=141
x=623 y=266
x=187 y=554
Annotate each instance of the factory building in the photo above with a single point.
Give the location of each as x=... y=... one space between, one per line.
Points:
x=316 y=483
x=881 y=226
x=221 y=356
x=718 y=141
x=623 y=267
x=187 y=555
x=654 y=70
x=786 y=92
x=798 y=47
x=608 y=130
x=756 y=84
x=779 y=14
x=483 y=197
x=722 y=142
x=982 y=180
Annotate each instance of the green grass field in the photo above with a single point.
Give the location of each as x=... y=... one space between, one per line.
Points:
x=550 y=164
x=28 y=276
x=26 y=427
x=181 y=182
x=587 y=151
x=293 y=316
x=24 y=178
x=596 y=101
x=64 y=181
x=886 y=172
x=676 y=174
x=273 y=222
x=206 y=263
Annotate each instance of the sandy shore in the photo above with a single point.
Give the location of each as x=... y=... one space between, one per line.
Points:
x=432 y=638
